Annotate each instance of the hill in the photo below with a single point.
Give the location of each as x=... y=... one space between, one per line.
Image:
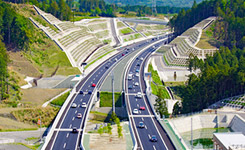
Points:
x=171 y=3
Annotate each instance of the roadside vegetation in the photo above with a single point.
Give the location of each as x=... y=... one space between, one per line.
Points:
x=157 y=85
x=60 y=100
x=126 y=31
x=106 y=99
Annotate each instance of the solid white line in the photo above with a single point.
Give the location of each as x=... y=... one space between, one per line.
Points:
x=154 y=147
x=64 y=145
x=67 y=135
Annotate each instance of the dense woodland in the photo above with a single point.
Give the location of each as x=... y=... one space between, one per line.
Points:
x=222 y=75
x=170 y=3
x=15 y=33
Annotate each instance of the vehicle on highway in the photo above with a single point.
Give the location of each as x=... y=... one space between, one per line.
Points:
x=141 y=58
x=137 y=74
x=81 y=92
x=130 y=87
x=115 y=59
x=93 y=85
x=89 y=92
x=130 y=76
x=123 y=54
x=106 y=67
x=135 y=111
x=139 y=95
x=142 y=108
x=138 y=64
x=74 y=130
x=136 y=83
x=137 y=70
x=79 y=115
x=153 y=138
x=84 y=105
x=141 y=125
x=74 y=105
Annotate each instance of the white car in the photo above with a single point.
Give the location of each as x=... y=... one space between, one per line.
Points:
x=141 y=58
x=135 y=111
x=84 y=105
x=139 y=95
x=136 y=83
x=137 y=74
x=74 y=105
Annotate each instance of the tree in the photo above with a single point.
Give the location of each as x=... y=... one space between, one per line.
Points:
x=160 y=105
x=109 y=128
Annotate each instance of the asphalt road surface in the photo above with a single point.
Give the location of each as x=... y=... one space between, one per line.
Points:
x=152 y=126
x=63 y=138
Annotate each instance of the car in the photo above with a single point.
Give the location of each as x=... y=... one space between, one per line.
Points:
x=153 y=138
x=139 y=95
x=89 y=92
x=106 y=67
x=130 y=87
x=130 y=76
x=141 y=125
x=115 y=59
x=142 y=108
x=137 y=70
x=81 y=92
x=123 y=54
x=74 y=105
x=137 y=74
x=136 y=83
x=141 y=58
x=79 y=115
x=93 y=85
x=84 y=105
x=135 y=111
x=126 y=52
x=138 y=64
x=74 y=130
x=137 y=57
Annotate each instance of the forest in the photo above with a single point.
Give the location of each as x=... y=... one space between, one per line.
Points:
x=222 y=75
x=15 y=33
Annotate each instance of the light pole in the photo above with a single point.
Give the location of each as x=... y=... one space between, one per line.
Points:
x=191 y=136
x=113 y=98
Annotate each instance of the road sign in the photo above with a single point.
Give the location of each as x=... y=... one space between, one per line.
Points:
x=39 y=121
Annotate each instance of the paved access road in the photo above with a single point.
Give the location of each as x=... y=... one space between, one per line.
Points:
x=62 y=137
x=152 y=126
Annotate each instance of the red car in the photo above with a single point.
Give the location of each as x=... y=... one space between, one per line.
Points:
x=142 y=108
x=123 y=54
x=93 y=85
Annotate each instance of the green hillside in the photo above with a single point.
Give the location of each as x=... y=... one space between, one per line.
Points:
x=171 y=3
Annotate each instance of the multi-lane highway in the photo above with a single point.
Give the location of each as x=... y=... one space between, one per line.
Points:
x=62 y=137
x=151 y=125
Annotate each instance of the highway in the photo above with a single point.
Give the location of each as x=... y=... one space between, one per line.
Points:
x=152 y=126
x=62 y=137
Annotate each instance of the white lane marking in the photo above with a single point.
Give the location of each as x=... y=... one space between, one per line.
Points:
x=64 y=145
x=88 y=85
x=81 y=100
x=136 y=99
x=145 y=127
x=96 y=75
x=140 y=111
x=75 y=111
x=70 y=126
x=73 y=118
x=137 y=105
x=142 y=118
x=67 y=135
x=94 y=79
x=78 y=106
x=154 y=147
x=149 y=136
